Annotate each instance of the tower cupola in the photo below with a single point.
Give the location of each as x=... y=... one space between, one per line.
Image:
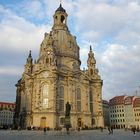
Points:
x=60 y=18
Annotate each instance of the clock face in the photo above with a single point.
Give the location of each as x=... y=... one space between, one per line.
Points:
x=45 y=74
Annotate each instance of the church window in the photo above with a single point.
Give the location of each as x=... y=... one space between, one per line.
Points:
x=91 y=72
x=45 y=103
x=47 y=60
x=45 y=96
x=61 y=98
x=69 y=44
x=62 y=19
x=45 y=91
x=78 y=98
x=91 y=100
x=74 y=65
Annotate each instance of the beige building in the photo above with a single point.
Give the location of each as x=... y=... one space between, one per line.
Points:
x=136 y=110
x=55 y=79
x=7 y=111
x=125 y=111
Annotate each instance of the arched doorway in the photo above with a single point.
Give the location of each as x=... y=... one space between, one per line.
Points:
x=92 y=121
x=43 y=122
x=79 y=122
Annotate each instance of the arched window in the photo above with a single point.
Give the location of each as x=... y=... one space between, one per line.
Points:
x=45 y=96
x=62 y=19
x=74 y=65
x=47 y=60
x=78 y=98
x=91 y=100
x=92 y=121
x=61 y=98
x=91 y=71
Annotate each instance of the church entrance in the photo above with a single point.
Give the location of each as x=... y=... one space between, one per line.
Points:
x=43 y=122
x=79 y=122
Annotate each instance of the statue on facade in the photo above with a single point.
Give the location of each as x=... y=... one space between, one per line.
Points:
x=67 y=117
x=68 y=109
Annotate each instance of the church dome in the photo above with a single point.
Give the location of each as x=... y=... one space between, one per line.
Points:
x=60 y=8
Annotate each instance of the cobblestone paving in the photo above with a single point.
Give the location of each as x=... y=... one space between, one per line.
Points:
x=54 y=135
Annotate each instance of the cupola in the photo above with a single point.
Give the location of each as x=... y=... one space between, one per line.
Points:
x=60 y=18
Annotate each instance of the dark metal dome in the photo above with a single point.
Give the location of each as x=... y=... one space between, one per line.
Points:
x=60 y=8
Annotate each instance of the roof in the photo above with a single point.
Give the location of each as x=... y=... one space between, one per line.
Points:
x=7 y=103
x=60 y=8
x=128 y=100
x=105 y=102
x=117 y=100
x=125 y=100
x=136 y=102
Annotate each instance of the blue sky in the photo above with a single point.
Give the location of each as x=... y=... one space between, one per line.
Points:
x=112 y=27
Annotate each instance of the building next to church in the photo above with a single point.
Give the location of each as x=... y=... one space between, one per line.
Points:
x=106 y=113
x=55 y=78
x=6 y=114
x=125 y=111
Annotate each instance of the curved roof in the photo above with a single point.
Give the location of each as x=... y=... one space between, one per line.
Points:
x=60 y=8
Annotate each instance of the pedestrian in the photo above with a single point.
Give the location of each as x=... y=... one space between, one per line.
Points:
x=101 y=128
x=109 y=130
x=44 y=130
x=134 y=130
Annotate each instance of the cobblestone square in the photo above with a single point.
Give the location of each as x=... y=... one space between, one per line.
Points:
x=74 y=135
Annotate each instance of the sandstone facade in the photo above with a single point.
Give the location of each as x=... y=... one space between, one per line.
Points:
x=55 y=79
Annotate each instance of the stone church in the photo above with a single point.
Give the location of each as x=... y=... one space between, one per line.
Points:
x=54 y=79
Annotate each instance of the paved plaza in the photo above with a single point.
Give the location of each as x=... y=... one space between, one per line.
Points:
x=57 y=135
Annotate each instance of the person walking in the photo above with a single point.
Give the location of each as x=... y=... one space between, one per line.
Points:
x=111 y=130
x=134 y=130
x=44 y=130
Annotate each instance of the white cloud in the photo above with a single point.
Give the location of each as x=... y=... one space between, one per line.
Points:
x=101 y=20
x=11 y=70
x=33 y=9
x=18 y=34
x=120 y=68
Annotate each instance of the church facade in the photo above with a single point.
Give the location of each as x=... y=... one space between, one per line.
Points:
x=54 y=79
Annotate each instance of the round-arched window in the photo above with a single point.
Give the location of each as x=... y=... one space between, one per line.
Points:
x=62 y=19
